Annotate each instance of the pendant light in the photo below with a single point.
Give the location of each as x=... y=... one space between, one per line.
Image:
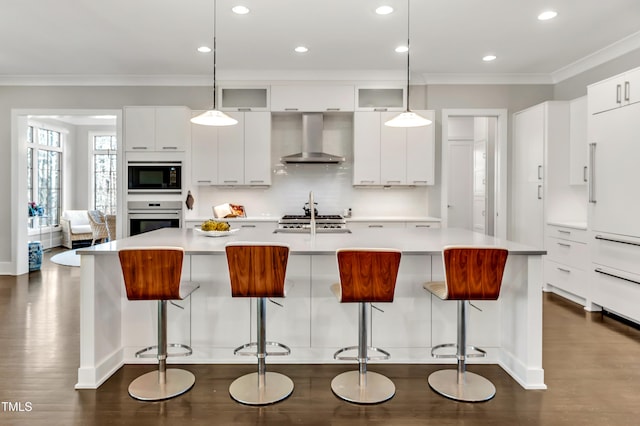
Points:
x=213 y=117
x=408 y=118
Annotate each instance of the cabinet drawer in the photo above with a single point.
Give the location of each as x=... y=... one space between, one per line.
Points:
x=618 y=252
x=567 y=252
x=616 y=291
x=566 y=233
x=565 y=277
x=423 y=225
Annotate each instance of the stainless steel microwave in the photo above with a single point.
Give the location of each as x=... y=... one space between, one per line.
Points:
x=154 y=177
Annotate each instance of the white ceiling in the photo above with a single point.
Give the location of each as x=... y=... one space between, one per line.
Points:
x=144 y=41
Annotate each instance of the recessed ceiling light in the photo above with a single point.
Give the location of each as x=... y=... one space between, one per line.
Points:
x=384 y=10
x=402 y=49
x=240 y=10
x=489 y=58
x=301 y=49
x=549 y=14
x=204 y=49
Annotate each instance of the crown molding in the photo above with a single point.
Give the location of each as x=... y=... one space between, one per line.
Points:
x=470 y=78
x=105 y=80
x=606 y=54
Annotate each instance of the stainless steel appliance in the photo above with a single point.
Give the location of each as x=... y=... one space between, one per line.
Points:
x=154 y=177
x=145 y=216
x=324 y=224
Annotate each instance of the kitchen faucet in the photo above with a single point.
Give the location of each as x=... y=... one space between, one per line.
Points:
x=313 y=214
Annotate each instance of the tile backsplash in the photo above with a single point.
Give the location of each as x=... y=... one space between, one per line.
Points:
x=331 y=183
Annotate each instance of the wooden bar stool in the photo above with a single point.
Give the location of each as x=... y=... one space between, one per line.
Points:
x=258 y=270
x=471 y=273
x=366 y=276
x=154 y=274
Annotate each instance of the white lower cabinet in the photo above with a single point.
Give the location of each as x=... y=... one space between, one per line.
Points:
x=566 y=262
x=372 y=225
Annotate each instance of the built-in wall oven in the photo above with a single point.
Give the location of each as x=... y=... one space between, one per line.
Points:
x=145 y=216
x=154 y=177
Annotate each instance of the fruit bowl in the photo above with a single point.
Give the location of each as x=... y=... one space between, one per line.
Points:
x=215 y=233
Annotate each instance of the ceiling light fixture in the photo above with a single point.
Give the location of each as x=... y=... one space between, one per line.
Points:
x=549 y=14
x=204 y=49
x=240 y=10
x=489 y=58
x=213 y=117
x=408 y=118
x=402 y=49
x=384 y=10
x=301 y=49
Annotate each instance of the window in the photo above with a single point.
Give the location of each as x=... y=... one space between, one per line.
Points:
x=104 y=172
x=44 y=171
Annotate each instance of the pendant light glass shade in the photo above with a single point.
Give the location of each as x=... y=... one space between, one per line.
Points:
x=213 y=117
x=408 y=118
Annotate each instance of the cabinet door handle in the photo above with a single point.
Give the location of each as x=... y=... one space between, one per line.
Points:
x=539 y=192
x=376 y=226
x=169 y=147
x=366 y=181
x=564 y=270
x=613 y=240
x=256 y=181
x=393 y=181
x=291 y=109
x=540 y=172
x=380 y=109
x=244 y=109
x=565 y=245
x=138 y=147
x=423 y=226
x=584 y=173
x=618 y=94
x=333 y=109
x=204 y=181
x=592 y=173
x=230 y=181
x=247 y=226
x=627 y=91
x=600 y=271
x=420 y=181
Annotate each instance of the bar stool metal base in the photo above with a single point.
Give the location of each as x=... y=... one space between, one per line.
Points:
x=246 y=390
x=378 y=388
x=474 y=389
x=148 y=387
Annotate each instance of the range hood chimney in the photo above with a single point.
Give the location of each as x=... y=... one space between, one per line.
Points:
x=312 y=153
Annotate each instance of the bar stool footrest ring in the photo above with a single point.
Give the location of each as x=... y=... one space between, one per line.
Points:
x=142 y=353
x=480 y=353
x=385 y=354
x=239 y=350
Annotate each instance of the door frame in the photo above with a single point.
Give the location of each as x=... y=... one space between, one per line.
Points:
x=19 y=239
x=500 y=217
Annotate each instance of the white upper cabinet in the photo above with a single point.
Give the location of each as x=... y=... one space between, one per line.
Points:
x=380 y=99
x=233 y=155
x=392 y=156
x=578 y=145
x=623 y=89
x=312 y=98
x=204 y=154
x=163 y=129
x=243 y=98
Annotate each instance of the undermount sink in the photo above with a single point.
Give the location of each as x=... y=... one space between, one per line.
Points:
x=308 y=231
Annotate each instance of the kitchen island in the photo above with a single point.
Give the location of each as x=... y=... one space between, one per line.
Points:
x=310 y=320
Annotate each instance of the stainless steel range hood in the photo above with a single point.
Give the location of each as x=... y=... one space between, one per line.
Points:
x=312 y=152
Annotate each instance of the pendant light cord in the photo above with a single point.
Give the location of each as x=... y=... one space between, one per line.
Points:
x=215 y=15
x=408 y=49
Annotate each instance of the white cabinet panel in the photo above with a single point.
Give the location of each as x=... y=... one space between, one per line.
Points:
x=312 y=98
x=421 y=152
x=204 y=154
x=243 y=98
x=257 y=148
x=614 y=92
x=393 y=152
x=156 y=128
x=565 y=277
x=231 y=152
x=616 y=171
x=578 y=145
x=366 y=148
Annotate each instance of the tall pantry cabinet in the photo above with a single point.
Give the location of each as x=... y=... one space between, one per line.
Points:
x=614 y=198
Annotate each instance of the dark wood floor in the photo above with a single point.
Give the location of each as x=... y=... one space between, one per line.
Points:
x=590 y=361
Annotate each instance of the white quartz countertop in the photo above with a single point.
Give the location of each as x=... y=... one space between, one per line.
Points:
x=410 y=241
x=569 y=224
